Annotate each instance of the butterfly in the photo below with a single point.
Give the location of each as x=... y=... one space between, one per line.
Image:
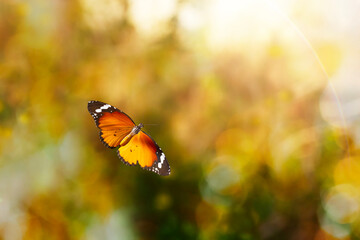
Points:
x=117 y=129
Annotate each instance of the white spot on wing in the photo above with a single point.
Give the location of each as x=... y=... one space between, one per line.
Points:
x=159 y=165
x=105 y=106
x=162 y=158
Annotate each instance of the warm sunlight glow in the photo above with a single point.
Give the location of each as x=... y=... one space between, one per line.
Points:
x=234 y=23
x=150 y=17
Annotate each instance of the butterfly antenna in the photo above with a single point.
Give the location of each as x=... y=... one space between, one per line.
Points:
x=151 y=124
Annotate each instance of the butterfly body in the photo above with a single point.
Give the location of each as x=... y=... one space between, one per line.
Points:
x=133 y=132
x=135 y=146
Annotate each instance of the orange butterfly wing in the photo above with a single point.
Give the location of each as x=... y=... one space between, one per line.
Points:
x=143 y=150
x=114 y=124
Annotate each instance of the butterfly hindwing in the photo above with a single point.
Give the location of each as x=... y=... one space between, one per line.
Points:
x=142 y=149
x=114 y=124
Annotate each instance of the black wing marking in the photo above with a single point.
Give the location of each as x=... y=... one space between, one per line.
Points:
x=97 y=109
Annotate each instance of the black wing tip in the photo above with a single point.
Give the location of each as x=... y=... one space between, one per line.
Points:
x=162 y=170
x=93 y=105
x=161 y=173
x=165 y=171
x=92 y=102
x=165 y=174
x=90 y=106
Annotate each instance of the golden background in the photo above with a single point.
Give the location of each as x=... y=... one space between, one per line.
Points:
x=256 y=106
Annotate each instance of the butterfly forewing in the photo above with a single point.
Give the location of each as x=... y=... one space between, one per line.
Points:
x=114 y=124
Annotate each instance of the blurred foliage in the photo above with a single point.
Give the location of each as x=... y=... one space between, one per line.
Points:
x=251 y=156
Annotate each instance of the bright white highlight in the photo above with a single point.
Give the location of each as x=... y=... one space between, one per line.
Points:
x=233 y=23
x=150 y=17
x=191 y=18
